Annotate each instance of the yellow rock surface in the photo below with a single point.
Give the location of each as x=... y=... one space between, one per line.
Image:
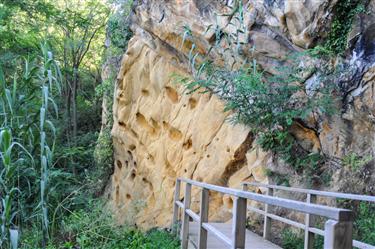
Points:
x=161 y=133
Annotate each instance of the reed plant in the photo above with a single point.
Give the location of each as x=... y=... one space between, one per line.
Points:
x=27 y=137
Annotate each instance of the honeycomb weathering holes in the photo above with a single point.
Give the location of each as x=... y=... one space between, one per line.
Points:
x=171 y=94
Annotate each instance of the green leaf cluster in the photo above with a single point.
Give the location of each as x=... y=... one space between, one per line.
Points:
x=344 y=13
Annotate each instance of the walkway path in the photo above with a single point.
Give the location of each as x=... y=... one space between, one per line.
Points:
x=252 y=240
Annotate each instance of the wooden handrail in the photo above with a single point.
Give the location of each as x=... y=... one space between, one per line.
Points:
x=338 y=214
x=314 y=192
x=311 y=196
x=337 y=232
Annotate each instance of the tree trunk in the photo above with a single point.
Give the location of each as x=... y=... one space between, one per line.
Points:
x=74 y=101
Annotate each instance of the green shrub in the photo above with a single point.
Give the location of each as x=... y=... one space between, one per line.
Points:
x=294 y=240
x=291 y=240
x=355 y=162
x=279 y=179
x=365 y=223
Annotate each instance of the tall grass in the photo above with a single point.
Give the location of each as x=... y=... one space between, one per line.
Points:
x=27 y=137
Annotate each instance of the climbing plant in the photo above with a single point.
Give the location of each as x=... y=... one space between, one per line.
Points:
x=344 y=14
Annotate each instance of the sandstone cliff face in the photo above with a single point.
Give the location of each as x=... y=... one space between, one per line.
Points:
x=160 y=132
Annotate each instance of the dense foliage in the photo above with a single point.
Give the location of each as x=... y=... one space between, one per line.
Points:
x=344 y=14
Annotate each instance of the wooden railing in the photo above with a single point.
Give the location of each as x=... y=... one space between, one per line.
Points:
x=311 y=197
x=337 y=231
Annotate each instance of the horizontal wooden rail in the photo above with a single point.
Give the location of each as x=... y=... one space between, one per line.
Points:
x=314 y=192
x=314 y=230
x=308 y=226
x=337 y=231
x=193 y=215
x=217 y=233
x=338 y=214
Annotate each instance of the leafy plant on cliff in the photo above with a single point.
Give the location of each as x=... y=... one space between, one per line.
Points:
x=355 y=162
x=270 y=105
x=344 y=13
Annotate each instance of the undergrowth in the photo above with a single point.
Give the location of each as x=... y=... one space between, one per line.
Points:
x=92 y=228
x=295 y=240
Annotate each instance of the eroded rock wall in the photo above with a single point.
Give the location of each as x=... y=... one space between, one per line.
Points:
x=160 y=132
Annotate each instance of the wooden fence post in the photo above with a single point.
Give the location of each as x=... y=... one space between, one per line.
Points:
x=186 y=218
x=338 y=235
x=267 y=220
x=202 y=236
x=309 y=222
x=239 y=223
x=175 y=207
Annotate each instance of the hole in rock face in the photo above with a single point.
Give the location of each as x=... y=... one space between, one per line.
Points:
x=132 y=147
x=175 y=134
x=133 y=174
x=141 y=119
x=185 y=170
x=192 y=103
x=171 y=94
x=119 y=164
x=208 y=156
x=128 y=196
x=145 y=92
x=228 y=149
x=135 y=164
x=188 y=144
x=127 y=164
x=130 y=154
x=121 y=124
x=117 y=193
